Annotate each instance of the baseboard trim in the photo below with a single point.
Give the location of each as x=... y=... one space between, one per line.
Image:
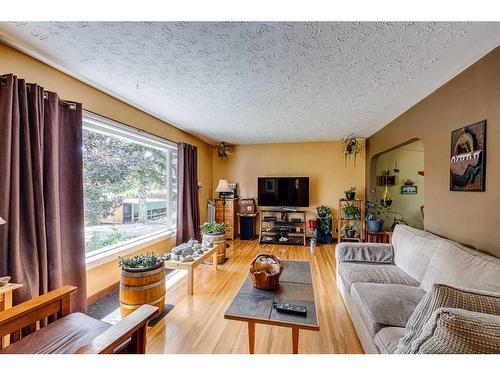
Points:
x=104 y=292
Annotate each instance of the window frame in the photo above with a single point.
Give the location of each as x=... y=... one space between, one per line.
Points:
x=104 y=125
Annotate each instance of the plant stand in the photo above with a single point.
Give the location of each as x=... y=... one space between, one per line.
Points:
x=322 y=237
x=360 y=233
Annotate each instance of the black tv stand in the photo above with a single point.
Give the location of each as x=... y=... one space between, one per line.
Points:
x=282 y=229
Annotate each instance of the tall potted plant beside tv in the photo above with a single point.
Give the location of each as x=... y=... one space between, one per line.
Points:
x=324 y=227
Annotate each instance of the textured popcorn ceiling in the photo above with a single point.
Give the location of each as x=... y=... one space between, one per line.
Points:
x=262 y=82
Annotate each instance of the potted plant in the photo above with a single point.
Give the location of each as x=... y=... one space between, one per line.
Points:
x=374 y=210
x=214 y=234
x=213 y=228
x=351 y=148
x=350 y=230
x=351 y=212
x=142 y=282
x=324 y=232
x=350 y=194
x=141 y=263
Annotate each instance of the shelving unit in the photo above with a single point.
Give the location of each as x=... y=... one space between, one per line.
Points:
x=228 y=211
x=281 y=224
x=360 y=233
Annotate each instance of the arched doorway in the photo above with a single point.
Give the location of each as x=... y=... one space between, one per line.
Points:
x=398 y=176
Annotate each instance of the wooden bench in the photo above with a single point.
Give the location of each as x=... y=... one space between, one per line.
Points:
x=190 y=266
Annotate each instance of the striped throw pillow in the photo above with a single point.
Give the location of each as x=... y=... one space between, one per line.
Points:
x=458 y=331
x=442 y=295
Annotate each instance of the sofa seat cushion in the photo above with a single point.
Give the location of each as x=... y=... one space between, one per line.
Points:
x=373 y=273
x=456 y=265
x=384 y=305
x=387 y=339
x=65 y=335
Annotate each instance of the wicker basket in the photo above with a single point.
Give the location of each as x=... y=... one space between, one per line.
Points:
x=265 y=271
x=247 y=207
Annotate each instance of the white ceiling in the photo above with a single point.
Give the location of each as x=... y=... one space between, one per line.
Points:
x=255 y=82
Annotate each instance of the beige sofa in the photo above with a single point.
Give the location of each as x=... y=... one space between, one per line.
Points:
x=381 y=284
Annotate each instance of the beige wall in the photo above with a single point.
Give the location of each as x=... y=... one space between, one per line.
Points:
x=468 y=217
x=32 y=70
x=322 y=162
x=410 y=160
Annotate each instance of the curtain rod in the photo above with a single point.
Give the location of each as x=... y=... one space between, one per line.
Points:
x=122 y=123
x=70 y=104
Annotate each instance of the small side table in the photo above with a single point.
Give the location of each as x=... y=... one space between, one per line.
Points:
x=6 y=303
x=378 y=237
x=247 y=226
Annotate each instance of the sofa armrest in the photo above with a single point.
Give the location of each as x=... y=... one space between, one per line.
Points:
x=133 y=327
x=364 y=252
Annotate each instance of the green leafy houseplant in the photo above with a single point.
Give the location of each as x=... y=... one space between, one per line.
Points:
x=147 y=260
x=350 y=194
x=325 y=222
x=351 y=226
x=213 y=228
x=374 y=211
x=350 y=229
x=351 y=212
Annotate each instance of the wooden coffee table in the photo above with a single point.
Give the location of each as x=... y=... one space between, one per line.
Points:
x=254 y=305
x=190 y=266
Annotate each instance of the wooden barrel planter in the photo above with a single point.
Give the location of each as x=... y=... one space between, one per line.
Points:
x=218 y=240
x=142 y=286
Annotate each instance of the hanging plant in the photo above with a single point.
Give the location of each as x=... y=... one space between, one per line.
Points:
x=223 y=150
x=351 y=148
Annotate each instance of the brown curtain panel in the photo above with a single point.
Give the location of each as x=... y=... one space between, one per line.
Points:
x=42 y=245
x=188 y=209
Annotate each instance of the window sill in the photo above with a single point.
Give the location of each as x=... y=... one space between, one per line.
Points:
x=105 y=257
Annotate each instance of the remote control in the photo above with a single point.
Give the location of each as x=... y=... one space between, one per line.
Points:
x=291 y=309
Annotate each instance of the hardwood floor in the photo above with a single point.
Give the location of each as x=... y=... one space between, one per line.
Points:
x=196 y=324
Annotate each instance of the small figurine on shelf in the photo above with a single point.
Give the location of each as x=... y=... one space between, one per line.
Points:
x=313 y=224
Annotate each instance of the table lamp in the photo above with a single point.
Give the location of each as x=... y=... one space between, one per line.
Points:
x=223 y=187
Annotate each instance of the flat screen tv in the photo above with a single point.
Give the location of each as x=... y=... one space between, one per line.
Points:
x=283 y=191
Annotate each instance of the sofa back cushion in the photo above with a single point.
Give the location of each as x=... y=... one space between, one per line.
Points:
x=413 y=249
x=456 y=265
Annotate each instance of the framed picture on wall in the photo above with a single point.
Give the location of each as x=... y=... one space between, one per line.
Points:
x=409 y=189
x=468 y=158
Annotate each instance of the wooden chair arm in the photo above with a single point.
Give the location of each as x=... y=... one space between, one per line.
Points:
x=54 y=303
x=132 y=327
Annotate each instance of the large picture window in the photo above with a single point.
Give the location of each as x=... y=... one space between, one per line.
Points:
x=130 y=185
